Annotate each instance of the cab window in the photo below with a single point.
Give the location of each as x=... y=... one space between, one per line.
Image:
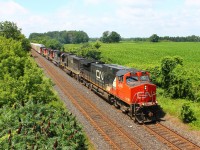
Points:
x=144 y=78
x=131 y=79
x=120 y=78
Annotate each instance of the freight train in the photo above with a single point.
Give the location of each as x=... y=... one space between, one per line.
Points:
x=126 y=88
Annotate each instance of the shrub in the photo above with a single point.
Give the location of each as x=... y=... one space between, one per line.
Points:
x=175 y=80
x=97 y=44
x=187 y=114
x=155 y=75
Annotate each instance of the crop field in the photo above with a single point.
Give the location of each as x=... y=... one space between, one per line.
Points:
x=142 y=55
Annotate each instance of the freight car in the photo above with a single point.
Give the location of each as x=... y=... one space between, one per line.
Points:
x=126 y=88
x=37 y=47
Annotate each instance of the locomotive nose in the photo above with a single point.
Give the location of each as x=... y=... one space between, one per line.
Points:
x=146 y=93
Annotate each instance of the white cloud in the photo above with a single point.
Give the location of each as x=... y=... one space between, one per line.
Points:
x=93 y=2
x=131 y=3
x=193 y=3
x=11 y=8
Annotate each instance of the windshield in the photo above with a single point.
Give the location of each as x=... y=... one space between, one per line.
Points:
x=134 y=79
x=131 y=79
x=144 y=78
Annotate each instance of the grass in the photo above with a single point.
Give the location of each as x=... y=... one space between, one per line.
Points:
x=174 y=106
x=89 y=143
x=142 y=55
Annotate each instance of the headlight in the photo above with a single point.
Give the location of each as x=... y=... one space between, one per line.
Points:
x=145 y=87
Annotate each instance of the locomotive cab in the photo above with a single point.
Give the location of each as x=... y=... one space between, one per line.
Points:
x=135 y=89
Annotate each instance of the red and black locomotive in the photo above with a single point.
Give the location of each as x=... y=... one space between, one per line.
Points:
x=126 y=88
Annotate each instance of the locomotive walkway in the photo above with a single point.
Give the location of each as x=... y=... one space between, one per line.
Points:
x=115 y=136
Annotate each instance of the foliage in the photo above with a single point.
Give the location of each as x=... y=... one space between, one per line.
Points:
x=154 y=38
x=36 y=126
x=97 y=44
x=167 y=66
x=10 y=30
x=175 y=81
x=53 y=44
x=187 y=114
x=63 y=37
x=86 y=50
x=192 y=38
x=155 y=75
x=31 y=115
x=110 y=37
x=26 y=46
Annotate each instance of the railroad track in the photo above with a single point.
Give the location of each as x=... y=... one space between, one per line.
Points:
x=170 y=138
x=114 y=135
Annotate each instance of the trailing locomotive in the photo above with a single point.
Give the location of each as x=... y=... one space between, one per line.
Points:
x=126 y=88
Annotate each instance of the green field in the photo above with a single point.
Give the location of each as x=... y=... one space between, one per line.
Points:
x=142 y=55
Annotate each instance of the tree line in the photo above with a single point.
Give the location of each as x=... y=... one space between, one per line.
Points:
x=56 y=39
x=64 y=37
x=156 y=38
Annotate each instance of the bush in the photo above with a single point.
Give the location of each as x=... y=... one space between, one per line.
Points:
x=155 y=75
x=187 y=114
x=97 y=45
x=87 y=51
x=175 y=79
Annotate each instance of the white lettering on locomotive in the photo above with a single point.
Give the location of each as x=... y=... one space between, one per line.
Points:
x=99 y=75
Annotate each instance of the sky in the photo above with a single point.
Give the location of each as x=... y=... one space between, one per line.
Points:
x=129 y=18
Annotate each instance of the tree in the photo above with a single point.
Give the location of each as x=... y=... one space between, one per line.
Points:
x=154 y=38
x=105 y=37
x=10 y=30
x=26 y=44
x=175 y=79
x=115 y=37
x=88 y=51
x=110 y=37
x=54 y=44
x=64 y=37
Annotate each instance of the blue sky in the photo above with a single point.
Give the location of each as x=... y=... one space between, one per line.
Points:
x=130 y=18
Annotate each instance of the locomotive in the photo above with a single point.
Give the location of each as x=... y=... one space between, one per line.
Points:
x=126 y=88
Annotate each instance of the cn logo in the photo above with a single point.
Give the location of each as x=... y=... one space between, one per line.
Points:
x=99 y=75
